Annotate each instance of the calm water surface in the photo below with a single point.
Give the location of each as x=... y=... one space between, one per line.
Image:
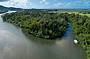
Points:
x=15 y=45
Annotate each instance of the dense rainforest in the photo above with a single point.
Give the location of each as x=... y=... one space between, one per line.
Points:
x=39 y=24
x=53 y=25
x=81 y=29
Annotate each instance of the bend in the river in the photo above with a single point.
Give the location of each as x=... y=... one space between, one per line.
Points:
x=15 y=45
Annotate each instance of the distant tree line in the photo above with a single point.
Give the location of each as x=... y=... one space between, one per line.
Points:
x=85 y=12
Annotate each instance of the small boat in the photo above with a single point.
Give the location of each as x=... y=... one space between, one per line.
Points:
x=75 y=41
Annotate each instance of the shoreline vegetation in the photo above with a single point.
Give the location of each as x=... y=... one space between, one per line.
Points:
x=81 y=29
x=38 y=24
x=53 y=25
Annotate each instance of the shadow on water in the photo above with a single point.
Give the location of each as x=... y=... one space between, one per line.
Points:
x=39 y=40
x=67 y=34
x=63 y=47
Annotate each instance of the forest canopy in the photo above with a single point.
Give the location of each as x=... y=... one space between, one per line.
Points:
x=39 y=24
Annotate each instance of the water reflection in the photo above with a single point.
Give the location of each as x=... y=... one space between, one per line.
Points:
x=15 y=45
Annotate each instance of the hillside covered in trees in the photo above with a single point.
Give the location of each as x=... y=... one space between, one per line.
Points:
x=6 y=9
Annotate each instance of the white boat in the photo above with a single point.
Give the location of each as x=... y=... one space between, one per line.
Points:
x=75 y=41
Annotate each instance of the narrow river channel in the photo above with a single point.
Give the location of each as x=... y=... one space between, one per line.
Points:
x=15 y=45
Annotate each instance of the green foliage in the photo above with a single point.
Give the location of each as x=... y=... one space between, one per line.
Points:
x=81 y=28
x=40 y=24
x=53 y=25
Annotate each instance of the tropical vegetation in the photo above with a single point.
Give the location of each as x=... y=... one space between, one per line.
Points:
x=39 y=24
x=52 y=25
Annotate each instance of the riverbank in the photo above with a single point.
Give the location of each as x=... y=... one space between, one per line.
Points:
x=15 y=45
x=81 y=29
x=42 y=25
x=80 y=25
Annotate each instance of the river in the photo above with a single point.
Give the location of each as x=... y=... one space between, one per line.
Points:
x=15 y=45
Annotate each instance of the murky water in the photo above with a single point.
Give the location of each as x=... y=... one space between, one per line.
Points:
x=15 y=45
